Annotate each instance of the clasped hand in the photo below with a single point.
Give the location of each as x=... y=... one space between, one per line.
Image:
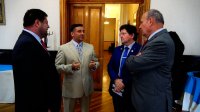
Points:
x=119 y=85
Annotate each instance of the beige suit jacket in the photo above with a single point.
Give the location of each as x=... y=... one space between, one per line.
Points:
x=76 y=83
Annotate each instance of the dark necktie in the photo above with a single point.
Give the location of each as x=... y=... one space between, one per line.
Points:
x=123 y=58
x=44 y=45
x=145 y=42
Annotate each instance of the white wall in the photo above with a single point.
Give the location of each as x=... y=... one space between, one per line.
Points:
x=182 y=16
x=15 y=10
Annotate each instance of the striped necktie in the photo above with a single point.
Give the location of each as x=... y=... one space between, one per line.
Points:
x=80 y=52
x=123 y=58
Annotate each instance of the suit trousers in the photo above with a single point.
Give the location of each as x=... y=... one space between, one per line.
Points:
x=118 y=103
x=69 y=103
x=123 y=103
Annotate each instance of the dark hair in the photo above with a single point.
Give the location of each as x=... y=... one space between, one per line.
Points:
x=73 y=26
x=130 y=29
x=156 y=14
x=33 y=14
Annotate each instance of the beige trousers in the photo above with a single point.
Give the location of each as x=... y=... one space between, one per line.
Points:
x=69 y=103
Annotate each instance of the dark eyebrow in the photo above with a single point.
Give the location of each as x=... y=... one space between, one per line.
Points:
x=80 y=30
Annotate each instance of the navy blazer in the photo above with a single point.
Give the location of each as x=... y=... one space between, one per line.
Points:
x=114 y=64
x=37 y=83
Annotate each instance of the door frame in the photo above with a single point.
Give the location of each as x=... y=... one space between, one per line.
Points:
x=144 y=5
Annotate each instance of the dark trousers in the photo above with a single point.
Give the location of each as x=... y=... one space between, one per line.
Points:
x=122 y=103
x=118 y=103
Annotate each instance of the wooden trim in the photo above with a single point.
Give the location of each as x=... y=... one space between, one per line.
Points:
x=64 y=11
x=101 y=2
x=147 y=5
x=106 y=1
x=108 y=41
x=142 y=8
x=62 y=21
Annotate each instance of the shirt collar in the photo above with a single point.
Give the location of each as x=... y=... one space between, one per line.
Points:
x=34 y=35
x=76 y=44
x=130 y=46
x=155 y=33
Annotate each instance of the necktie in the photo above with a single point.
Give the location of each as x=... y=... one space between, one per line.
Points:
x=123 y=58
x=44 y=45
x=145 y=42
x=79 y=48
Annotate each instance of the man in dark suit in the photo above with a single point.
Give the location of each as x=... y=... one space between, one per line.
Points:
x=37 y=83
x=151 y=68
x=120 y=83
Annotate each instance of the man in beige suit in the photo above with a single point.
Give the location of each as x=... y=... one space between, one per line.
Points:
x=77 y=60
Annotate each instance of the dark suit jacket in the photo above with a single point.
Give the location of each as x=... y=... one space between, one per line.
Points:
x=151 y=71
x=37 y=83
x=114 y=63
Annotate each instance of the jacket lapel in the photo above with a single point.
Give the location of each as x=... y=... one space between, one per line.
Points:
x=85 y=50
x=121 y=50
x=133 y=50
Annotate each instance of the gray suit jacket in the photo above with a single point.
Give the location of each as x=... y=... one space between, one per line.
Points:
x=76 y=83
x=151 y=71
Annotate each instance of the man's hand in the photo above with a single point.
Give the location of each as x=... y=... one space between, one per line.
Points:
x=75 y=66
x=119 y=85
x=92 y=65
x=139 y=54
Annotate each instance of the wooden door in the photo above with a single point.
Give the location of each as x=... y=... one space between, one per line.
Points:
x=91 y=16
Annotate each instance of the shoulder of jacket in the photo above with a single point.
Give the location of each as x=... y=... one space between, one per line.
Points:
x=87 y=44
x=63 y=46
x=119 y=48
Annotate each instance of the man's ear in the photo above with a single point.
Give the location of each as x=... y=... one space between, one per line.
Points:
x=132 y=35
x=151 y=20
x=37 y=23
x=72 y=34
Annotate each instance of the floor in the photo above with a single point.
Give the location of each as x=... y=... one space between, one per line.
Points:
x=100 y=102
x=106 y=78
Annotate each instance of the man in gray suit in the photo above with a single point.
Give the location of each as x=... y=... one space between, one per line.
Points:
x=151 y=67
x=77 y=60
